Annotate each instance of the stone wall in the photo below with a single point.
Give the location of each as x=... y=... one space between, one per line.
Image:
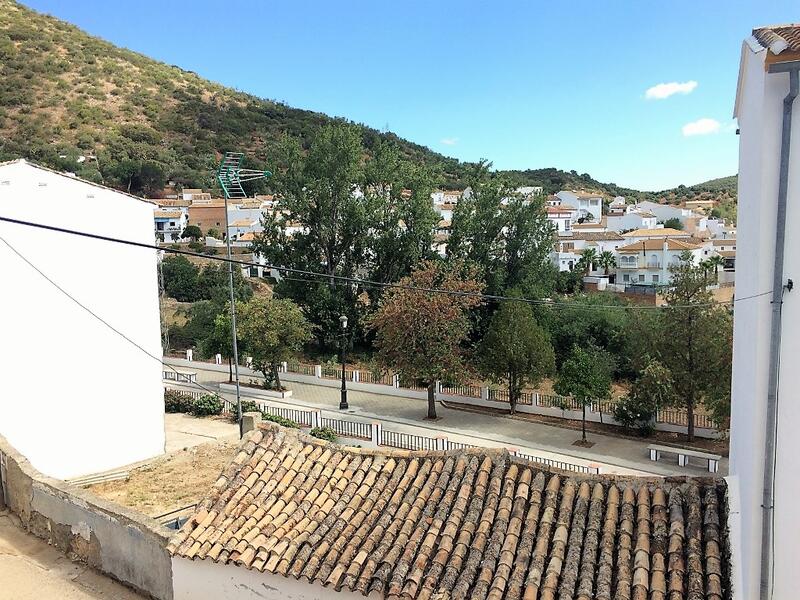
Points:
x=124 y=544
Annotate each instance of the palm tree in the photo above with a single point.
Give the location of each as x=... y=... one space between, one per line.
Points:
x=606 y=261
x=588 y=258
x=715 y=262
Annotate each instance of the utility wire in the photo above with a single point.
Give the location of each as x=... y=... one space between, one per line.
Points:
x=342 y=279
x=102 y=320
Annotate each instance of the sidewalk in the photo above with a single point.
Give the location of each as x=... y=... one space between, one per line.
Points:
x=615 y=455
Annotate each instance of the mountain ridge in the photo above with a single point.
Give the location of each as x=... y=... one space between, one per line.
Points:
x=66 y=94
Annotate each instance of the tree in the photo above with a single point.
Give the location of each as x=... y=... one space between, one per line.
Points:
x=420 y=334
x=192 y=232
x=652 y=390
x=673 y=223
x=274 y=330
x=694 y=340
x=180 y=278
x=586 y=376
x=214 y=233
x=715 y=262
x=516 y=350
x=606 y=261
x=220 y=340
x=586 y=261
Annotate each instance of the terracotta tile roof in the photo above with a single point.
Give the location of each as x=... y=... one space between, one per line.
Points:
x=658 y=244
x=474 y=523
x=592 y=236
x=167 y=214
x=779 y=37
x=660 y=232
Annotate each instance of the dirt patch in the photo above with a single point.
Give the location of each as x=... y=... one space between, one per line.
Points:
x=172 y=481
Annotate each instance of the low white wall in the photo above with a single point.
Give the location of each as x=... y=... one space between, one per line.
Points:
x=207 y=580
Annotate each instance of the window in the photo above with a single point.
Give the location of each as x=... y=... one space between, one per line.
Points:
x=567 y=225
x=641 y=277
x=655 y=278
x=172 y=223
x=160 y=226
x=626 y=278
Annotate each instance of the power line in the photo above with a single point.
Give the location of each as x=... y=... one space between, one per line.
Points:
x=101 y=319
x=342 y=279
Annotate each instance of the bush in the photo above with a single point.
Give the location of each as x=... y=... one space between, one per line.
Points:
x=324 y=433
x=636 y=415
x=247 y=406
x=279 y=420
x=177 y=402
x=206 y=405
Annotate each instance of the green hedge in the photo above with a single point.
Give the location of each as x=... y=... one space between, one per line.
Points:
x=177 y=402
x=324 y=433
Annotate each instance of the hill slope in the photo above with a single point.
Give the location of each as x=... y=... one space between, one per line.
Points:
x=66 y=94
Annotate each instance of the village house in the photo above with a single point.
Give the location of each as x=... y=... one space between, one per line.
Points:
x=764 y=486
x=626 y=221
x=169 y=223
x=84 y=291
x=293 y=516
x=207 y=214
x=588 y=204
x=568 y=248
x=561 y=218
x=646 y=260
x=617 y=206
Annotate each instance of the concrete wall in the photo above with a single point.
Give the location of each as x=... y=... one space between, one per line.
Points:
x=73 y=358
x=759 y=113
x=118 y=541
x=207 y=580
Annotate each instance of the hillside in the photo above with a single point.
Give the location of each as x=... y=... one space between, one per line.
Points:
x=65 y=94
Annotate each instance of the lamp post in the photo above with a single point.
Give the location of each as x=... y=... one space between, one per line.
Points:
x=343 y=402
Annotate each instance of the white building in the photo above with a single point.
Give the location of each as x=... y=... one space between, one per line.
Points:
x=589 y=204
x=646 y=261
x=568 y=248
x=77 y=397
x=632 y=220
x=170 y=223
x=561 y=217
x=617 y=206
x=766 y=328
x=528 y=191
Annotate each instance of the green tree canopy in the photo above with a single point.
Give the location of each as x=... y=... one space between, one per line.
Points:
x=515 y=350
x=586 y=376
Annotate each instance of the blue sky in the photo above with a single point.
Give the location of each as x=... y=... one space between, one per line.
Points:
x=523 y=84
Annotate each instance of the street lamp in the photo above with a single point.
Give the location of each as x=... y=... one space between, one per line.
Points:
x=343 y=402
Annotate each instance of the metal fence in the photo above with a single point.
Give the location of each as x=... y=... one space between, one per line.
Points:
x=376 y=378
x=559 y=464
x=299 y=416
x=407 y=441
x=350 y=429
x=470 y=391
x=300 y=368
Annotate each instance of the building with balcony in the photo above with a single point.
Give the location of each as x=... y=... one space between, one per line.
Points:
x=647 y=261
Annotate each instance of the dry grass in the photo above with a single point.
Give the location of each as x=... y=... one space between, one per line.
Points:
x=170 y=482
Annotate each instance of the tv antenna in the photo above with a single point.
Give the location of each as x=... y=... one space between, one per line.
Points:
x=230 y=176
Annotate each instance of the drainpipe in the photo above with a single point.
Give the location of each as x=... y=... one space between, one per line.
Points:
x=768 y=498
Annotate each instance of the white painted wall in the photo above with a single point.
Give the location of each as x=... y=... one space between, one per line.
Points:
x=630 y=221
x=759 y=112
x=207 y=580
x=81 y=420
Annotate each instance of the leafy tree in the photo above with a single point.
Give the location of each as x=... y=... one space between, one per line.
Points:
x=652 y=390
x=420 y=334
x=180 y=278
x=606 y=261
x=192 y=232
x=516 y=350
x=214 y=233
x=220 y=340
x=213 y=283
x=694 y=341
x=586 y=376
x=507 y=236
x=714 y=262
x=274 y=330
x=586 y=261
x=673 y=223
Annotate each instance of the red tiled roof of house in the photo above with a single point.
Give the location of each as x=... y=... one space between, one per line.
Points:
x=475 y=523
x=779 y=37
x=657 y=244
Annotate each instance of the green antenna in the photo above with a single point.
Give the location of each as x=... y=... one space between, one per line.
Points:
x=230 y=176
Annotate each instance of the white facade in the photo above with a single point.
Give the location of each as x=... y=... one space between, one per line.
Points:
x=632 y=220
x=561 y=218
x=650 y=265
x=170 y=223
x=207 y=580
x=588 y=205
x=77 y=398
x=759 y=109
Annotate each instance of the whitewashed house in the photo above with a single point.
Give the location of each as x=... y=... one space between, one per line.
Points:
x=561 y=218
x=655 y=233
x=589 y=204
x=617 y=206
x=765 y=415
x=632 y=220
x=646 y=261
x=78 y=397
x=567 y=249
x=170 y=223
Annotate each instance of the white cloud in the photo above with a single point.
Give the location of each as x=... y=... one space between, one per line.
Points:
x=665 y=90
x=450 y=141
x=701 y=127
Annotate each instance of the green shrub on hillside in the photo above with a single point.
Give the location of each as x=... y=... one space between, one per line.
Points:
x=177 y=402
x=206 y=406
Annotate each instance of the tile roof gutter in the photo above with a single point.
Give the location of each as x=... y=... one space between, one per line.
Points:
x=768 y=499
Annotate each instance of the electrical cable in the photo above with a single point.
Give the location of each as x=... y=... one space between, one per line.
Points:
x=364 y=282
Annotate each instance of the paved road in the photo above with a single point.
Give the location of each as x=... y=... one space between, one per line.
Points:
x=623 y=455
x=30 y=569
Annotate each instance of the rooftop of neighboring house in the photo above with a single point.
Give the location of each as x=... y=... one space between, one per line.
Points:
x=447 y=206
x=779 y=38
x=244 y=223
x=444 y=223
x=591 y=236
x=559 y=210
x=657 y=232
x=248 y=236
x=168 y=214
x=583 y=193
x=724 y=242
x=172 y=202
x=583 y=226
x=206 y=203
x=472 y=523
x=726 y=253
x=657 y=244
